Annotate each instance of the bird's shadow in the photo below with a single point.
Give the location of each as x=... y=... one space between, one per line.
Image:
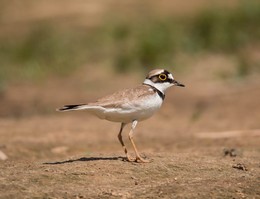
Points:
x=86 y=159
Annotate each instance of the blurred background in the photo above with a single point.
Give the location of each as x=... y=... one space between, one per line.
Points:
x=65 y=52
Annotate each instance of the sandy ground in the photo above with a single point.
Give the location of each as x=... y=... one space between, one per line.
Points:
x=202 y=145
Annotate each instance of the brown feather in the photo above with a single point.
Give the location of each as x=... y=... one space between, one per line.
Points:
x=119 y=98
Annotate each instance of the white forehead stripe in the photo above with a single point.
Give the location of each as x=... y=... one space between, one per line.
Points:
x=170 y=76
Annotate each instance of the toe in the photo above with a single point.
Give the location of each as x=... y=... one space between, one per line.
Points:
x=141 y=160
x=130 y=159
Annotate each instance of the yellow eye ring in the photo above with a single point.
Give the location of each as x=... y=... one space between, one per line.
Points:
x=162 y=77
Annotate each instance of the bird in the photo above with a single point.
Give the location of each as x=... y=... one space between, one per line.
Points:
x=131 y=105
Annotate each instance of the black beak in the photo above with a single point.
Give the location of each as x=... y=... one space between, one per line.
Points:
x=177 y=83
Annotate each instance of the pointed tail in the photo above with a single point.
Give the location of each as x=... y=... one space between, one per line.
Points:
x=73 y=107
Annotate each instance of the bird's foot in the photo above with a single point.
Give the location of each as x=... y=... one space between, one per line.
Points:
x=139 y=159
x=129 y=158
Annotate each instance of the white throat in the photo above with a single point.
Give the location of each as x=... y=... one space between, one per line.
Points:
x=160 y=86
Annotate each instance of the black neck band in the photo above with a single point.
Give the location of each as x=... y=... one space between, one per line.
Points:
x=160 y=93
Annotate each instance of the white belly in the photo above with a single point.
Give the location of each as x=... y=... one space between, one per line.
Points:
x=135 y=110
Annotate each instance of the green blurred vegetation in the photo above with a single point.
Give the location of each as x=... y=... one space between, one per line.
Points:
x=44 y=51
x=216 y=30
x=125 y=45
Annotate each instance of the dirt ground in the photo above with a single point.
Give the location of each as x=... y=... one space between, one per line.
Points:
x=203 y=143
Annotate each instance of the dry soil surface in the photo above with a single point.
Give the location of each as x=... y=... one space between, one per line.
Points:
x=200 y=147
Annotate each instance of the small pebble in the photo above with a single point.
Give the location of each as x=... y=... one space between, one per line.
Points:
x=3 y=156
x=230 y=152
x=240 y=166
x=60 y=149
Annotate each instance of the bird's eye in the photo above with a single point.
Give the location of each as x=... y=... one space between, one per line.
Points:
x=162 y=77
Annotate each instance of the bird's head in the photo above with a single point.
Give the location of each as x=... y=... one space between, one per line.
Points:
x=161 y=79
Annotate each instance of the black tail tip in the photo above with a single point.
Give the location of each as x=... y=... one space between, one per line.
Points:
x=69 y=107
x=61 y=109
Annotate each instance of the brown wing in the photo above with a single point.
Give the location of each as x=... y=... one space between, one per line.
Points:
x=119 y=98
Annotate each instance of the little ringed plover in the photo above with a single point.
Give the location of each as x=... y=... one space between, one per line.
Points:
x=131 y=105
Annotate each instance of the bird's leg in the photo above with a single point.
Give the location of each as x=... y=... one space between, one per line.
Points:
x=131 y=135
x=122 y=142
